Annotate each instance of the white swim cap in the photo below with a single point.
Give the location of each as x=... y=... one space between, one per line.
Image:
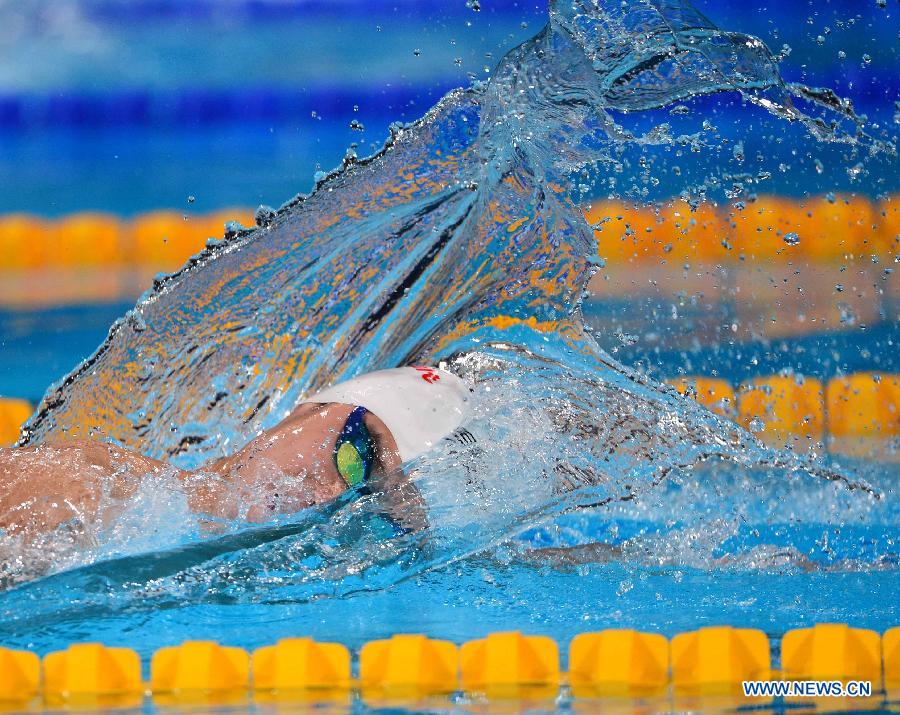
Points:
x=419 y=405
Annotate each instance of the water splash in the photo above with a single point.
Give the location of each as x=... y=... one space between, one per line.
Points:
x=684 y=493
x=461 y=225
x=461 y=241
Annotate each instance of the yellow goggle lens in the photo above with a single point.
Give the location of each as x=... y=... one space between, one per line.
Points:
x=350 y=464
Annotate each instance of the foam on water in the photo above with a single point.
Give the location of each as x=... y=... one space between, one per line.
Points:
x=461 y=242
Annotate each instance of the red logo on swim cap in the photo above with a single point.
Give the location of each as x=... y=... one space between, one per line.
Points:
x=428 y=374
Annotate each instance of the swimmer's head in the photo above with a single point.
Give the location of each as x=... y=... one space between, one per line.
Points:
x=414 y=408
x=356 y=433
x=418 y=405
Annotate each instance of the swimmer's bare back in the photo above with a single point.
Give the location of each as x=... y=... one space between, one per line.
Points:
x=284 y=470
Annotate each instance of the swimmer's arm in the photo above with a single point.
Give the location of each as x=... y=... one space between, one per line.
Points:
x=44 y=486
x=397 y=497
x=50 y=484
x=400 y=499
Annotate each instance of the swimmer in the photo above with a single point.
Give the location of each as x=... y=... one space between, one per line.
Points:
x=356 y=434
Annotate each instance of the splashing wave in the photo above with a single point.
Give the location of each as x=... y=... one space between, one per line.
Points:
x=460 y=242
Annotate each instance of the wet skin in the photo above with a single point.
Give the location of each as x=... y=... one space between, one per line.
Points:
x=285 y=469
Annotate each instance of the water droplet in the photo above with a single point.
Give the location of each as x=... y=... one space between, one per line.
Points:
x=233 y=227
x=264 y=215
x=474 y=5
x=417 y=52
x=357 y=126
x=867 y=59
x=757 y=425
x=842 y=55
x=138 y=324
x=839 y=287
x=820 y=40
x=191 y=199
x=791 y=239
x=847 y=316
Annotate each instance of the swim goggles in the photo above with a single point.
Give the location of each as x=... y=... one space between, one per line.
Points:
x=354 y=450
x=354 y=455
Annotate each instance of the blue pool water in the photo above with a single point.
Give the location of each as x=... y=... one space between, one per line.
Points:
x=603 y=499
x=219 y=98
x=672 y=587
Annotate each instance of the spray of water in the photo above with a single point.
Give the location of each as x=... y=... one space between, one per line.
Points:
x=460 y=242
